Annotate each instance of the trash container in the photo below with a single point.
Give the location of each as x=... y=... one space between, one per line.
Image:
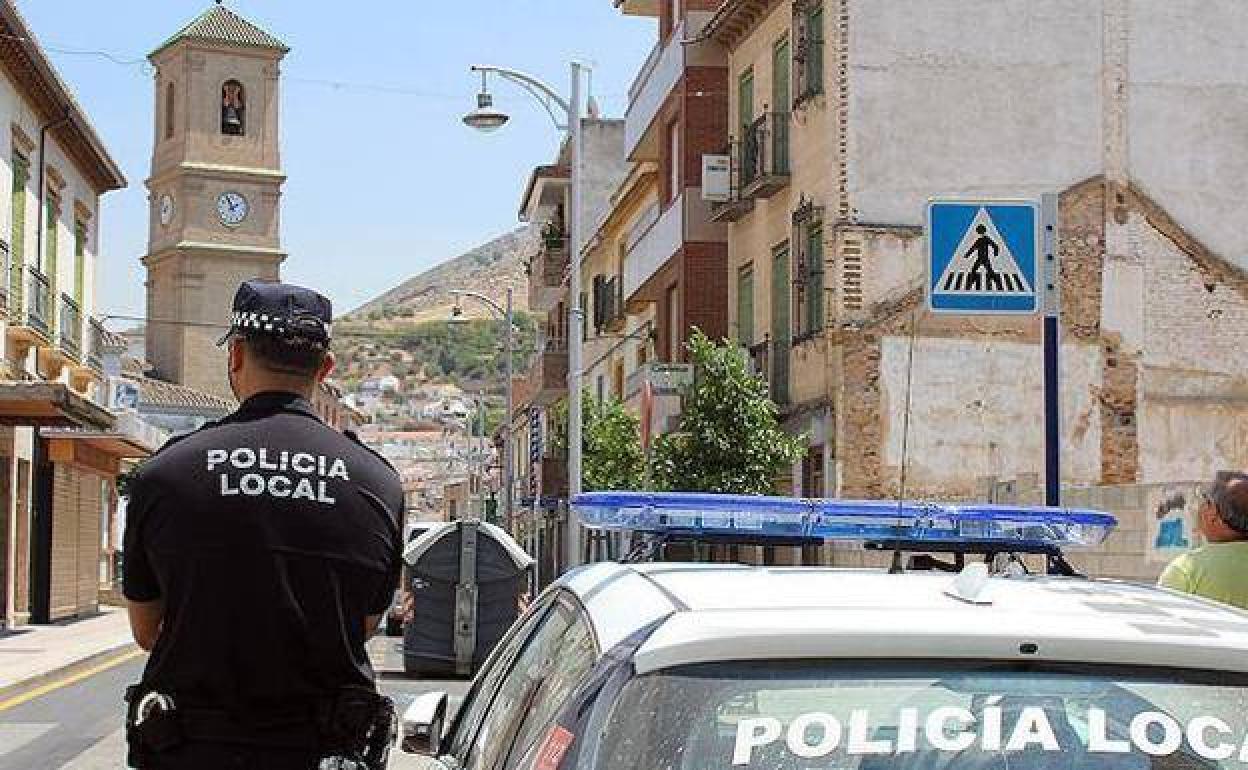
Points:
x=466 y=578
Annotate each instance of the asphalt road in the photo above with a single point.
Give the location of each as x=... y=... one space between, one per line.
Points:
x=78 y=725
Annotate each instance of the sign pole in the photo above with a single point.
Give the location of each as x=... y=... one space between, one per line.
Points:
x=1052 y=349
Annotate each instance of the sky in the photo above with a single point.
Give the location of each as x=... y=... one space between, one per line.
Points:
x=384 y=181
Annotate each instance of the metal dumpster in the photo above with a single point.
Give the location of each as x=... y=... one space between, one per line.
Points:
x=466 y=579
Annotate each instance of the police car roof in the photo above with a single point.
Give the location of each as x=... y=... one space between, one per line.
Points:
x=722 y=612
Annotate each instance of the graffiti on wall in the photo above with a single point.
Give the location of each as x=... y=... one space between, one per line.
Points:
x=1172 y=511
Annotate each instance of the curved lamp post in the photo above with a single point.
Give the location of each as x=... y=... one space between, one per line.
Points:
x=505 y=314
x=488 y=119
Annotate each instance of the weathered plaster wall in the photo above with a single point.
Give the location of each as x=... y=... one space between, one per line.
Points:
x=977 y=410
x=984 y=97
x=1188 y=108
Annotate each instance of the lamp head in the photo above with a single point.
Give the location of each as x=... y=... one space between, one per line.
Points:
x=485 y=118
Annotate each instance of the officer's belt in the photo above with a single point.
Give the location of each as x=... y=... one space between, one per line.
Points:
x=209 y=725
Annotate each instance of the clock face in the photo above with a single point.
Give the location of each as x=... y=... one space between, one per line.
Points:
x=232 y=208
x=166 y=209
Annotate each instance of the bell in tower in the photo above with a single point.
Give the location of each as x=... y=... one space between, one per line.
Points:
x=233 y=108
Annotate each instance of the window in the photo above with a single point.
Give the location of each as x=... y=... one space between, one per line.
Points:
x=551 y=683
x=673 y=149
x=17 y=234
x=812 y=472
x=808 y=284
x=673 y=20
x=745 y=305
x=52 y=214
x=781 y=98
x=80 y=261
x=617 y=381
x=233 y=108
x=808 y=51
x=745 y=102
x=170 y=107
x=482 y=693
x=524 y=695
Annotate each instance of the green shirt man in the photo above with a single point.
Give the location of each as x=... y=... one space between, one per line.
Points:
x=1219 y=569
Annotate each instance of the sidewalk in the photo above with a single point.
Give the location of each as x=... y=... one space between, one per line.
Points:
x=33 y=655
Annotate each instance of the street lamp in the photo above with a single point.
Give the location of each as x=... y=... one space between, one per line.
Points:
x=507 y=316
x=486 y=118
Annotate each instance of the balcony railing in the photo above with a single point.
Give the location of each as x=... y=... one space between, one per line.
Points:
x=69 y=336
x=95 y=344
x=770 y=360
x=608 y=303
x=38 y=301
x=548 y=376
x=765 y=156
x=6 y=275
x=736 y=206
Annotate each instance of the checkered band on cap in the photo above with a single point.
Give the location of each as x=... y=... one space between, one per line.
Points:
x=261 y=322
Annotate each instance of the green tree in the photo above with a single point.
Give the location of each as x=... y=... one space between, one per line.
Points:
x=612 y=457
x=729 y=439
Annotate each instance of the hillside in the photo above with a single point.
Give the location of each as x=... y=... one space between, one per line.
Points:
x=489 y=268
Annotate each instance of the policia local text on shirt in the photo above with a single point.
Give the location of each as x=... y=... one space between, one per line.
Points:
x=260 y=554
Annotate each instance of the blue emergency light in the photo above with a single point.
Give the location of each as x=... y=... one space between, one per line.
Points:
x=698 y=515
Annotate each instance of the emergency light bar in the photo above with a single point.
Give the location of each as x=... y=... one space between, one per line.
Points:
x=698 y=515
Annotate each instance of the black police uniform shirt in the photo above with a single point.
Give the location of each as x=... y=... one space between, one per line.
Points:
x=269 y=537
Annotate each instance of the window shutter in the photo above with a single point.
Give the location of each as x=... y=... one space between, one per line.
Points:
x=21 y=175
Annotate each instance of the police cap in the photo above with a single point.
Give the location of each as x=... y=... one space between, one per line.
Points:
x=280 y=310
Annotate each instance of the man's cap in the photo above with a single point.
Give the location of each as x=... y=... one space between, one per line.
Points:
x=280 y=310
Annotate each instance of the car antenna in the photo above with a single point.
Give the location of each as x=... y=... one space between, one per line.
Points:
x=897 y=568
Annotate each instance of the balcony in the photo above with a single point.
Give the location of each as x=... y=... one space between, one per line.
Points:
x=658 y=77
x=548 y=376
x=546 y=271
x=95 y=345
x=33 y=323
x=736 y=207
x=69 y=336
x=765 y=156
x=686 y=219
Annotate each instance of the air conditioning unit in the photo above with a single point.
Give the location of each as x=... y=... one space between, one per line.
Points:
x=123 y=394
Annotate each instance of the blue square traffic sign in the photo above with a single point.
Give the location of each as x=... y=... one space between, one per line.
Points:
x=983 y=256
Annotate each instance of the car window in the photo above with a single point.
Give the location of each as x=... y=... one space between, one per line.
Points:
x=554 y=683
x=517 y=694
x=486 y=684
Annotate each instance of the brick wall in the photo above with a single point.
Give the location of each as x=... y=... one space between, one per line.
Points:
x=705 y=288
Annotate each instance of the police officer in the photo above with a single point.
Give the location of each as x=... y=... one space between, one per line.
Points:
x=260 y=554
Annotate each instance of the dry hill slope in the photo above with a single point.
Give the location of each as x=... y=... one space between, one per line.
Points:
x=489 y=268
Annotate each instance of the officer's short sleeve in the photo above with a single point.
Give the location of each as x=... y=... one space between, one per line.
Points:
x=1177 y=575
x=139 y=582
x=381 y=600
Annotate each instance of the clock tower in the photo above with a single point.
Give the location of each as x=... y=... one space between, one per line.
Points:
x=214 y=190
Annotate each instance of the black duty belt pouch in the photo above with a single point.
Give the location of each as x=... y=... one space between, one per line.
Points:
x=157 y=732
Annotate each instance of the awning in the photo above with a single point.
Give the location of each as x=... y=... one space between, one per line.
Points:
x=130 y=437
x=39 y=403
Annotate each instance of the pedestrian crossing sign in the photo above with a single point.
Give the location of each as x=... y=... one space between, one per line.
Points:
x=982 y=256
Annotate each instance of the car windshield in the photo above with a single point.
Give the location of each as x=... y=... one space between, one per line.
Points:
x=808 y=715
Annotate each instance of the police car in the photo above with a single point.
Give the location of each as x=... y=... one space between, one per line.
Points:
x=661 y=666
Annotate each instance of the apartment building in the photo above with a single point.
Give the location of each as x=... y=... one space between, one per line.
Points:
x=1124 y=109
x=538 y=422
x=60 y=447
